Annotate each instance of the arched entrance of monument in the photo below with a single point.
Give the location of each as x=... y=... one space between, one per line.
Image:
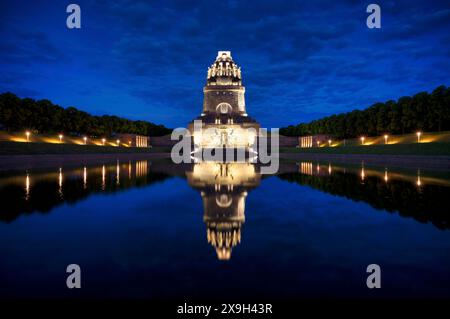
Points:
x=223 y=108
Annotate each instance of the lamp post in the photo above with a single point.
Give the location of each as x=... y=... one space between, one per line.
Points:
x=418 y=136
x=118 y=142
x=85 y=140
x=362 y=140
x=60 y=137
x=27 y=133
x=318 y=143
x=386 y=139
x=329 y=142
x=103 y=141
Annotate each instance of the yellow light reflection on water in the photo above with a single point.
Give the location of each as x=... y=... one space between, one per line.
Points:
x=60 y=182
x=84 y=177
x=129 y=169
x=27 y=186
x=103 y=177
x=117 y=173
x=419 y=182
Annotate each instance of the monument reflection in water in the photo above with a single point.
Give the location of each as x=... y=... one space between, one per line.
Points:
x=224 y=188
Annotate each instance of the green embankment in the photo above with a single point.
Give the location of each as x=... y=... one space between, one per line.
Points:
x=390 y=149
x=16 y=148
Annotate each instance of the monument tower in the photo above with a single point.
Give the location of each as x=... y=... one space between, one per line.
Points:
x=224 y=111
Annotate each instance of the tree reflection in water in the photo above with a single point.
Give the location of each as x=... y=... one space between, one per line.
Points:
x=224 y=187
x=410 y=195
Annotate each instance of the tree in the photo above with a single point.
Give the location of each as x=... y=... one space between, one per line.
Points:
x=45 y=117
x=423 y=111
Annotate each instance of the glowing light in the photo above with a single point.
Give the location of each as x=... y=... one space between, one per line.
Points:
x=362 y=140
x=118 y=142
x=318 y=143
x=60 y=138
x=85 y=140
x=117 y=173
x=419 y=182
x=27 y=187
x=386 y=138
x=318 y=168
x=27 y=133
x=385 y=175
x=103 y=177
x=306 y=168
x=329 y=169
x=418 y=136
x=103 y=141
x=60 y=181
x=329 y=142
x=129 y=169
x=363 y=174
x=84 y=177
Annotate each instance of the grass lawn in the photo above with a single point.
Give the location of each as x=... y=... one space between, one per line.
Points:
x=16 y=148
x=390 y=149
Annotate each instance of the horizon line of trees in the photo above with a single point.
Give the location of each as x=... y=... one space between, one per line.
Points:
x=423 y=111
x=42 y=116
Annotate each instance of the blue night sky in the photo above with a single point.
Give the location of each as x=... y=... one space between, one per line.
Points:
x=301 y=60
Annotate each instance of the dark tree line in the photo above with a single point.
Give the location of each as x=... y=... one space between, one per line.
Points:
x=424 y=205
x=423 y=111
x=43 y=116
x=45 y=194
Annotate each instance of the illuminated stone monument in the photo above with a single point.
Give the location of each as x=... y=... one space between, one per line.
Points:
x=224 y=112
x=223 y=187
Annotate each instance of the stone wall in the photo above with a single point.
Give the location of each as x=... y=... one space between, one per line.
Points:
x=232 y=96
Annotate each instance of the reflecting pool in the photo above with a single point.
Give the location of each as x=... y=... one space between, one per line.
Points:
x=155 y=230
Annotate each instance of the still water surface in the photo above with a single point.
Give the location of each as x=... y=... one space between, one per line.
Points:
x=143 y=229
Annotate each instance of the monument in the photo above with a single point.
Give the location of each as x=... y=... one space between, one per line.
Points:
x=225 y=122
